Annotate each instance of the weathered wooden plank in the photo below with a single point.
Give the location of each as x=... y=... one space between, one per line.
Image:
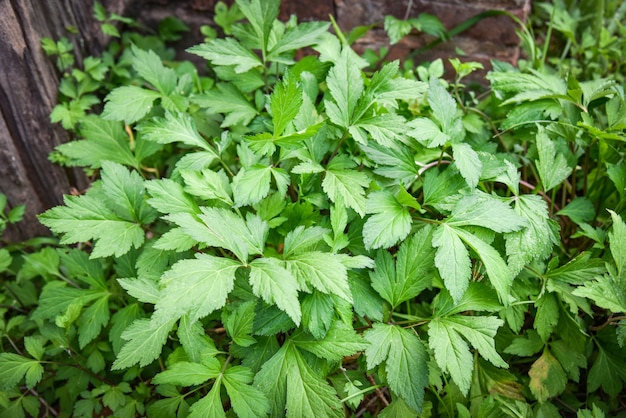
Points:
x=28 y=91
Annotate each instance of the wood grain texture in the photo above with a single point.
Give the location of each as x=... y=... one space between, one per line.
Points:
x=28 y=92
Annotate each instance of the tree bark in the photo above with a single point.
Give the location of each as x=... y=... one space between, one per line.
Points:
x=28 y=92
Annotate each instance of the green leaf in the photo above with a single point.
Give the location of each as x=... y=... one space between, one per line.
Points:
x=534 y=242
x=247 y=400
x=547 y=377
x=251 y=184
x=607 y=371
x=175 y=127
x=571 y=359
x=452 y=260
x=34 y=346
x=324 y=271
x=44 y=263
x=468 y=163
x=104 y=141
x=515 y=81
x=398 y=408
x=222 y=228
x=128 y=103
x=289 y=382
x=276 y=285
x=452 y=352
x=226 y=99
x=617 y=174
x=185 y=373
x=175 y=240
x=208 y=184
x=302 y=239
x=92 y=320
x=526 y=346
x=14 y=367
x=297 y=37
x=547 y=316
x=56 y=297
x=346 y=86
x=85 y=218
x=439 y=186
x=386 y=129
x=580 y=210
x=343 y=183
x=196 y=343
x=498 y=272
x=168 y=196
x=442 y=104
x=340 y=341
x=285 y=103
x=195 y=287
x=596 y=412
x=480 y=331
x=396 y=28
x=551 y=166
x=307 y=394
x=410 y=275
x=239 y=324
x=405 y=361
x=227 y=51
x=124 y=193
x=395 y=163
x=150 y=67
x=390 y=222
x=389 y=89
x=605 y=291
x=16 y=214
x=484 y=210
x=120 y=320
x=272 y=380
x=261 y=15
x=145 y=340
x=144 y=290
x=209 y=406
x=110 y=29
x=617 y=240
x=318 y=311
x=367 y=302
x=427 y=133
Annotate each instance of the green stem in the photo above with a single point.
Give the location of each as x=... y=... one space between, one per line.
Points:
x=361 y=392
x=544 y=54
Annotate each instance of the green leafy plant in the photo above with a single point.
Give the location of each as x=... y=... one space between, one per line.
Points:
x=316 y=238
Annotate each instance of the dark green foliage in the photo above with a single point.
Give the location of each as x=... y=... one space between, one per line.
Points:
x=322 y=237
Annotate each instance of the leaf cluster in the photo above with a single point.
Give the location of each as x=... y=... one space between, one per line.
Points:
x=320 y=237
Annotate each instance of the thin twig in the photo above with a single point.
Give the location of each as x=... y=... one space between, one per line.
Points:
x=609 y=321
x=53 y=411
x=379 y=393
x=408 y=10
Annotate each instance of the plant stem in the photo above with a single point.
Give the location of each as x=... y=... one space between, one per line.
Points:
x=361 y=392
x=379 y=393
